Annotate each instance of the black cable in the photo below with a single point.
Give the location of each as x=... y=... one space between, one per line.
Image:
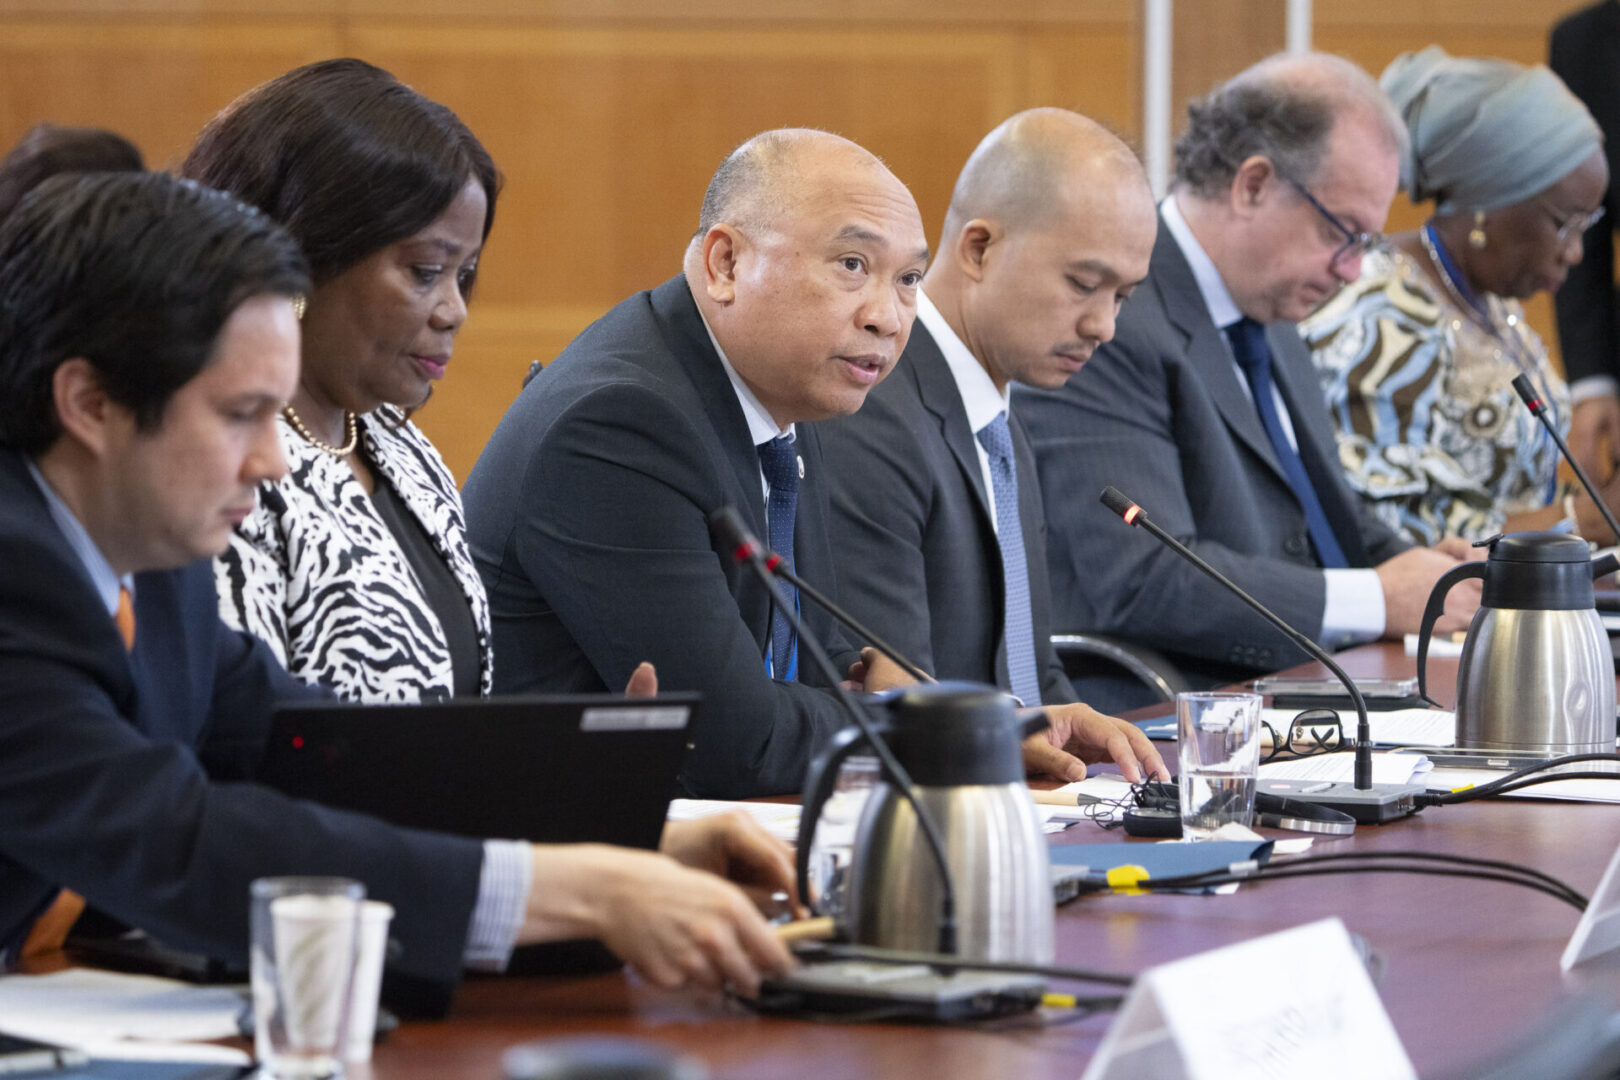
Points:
x=1525 y=875
x=1511 y=781
x=1431 y=871
x=1437 y=856
x=1312 y=866
x=1562 y=889
x=824 y=950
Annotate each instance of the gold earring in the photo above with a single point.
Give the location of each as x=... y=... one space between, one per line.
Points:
x=1476 y=235
x=300 y=302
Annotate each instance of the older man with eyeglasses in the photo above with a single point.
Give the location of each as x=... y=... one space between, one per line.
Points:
x=1205 y=408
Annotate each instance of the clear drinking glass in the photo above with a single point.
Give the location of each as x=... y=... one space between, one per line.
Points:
x=834 y=843
x=305 y=937
x=1218 y=744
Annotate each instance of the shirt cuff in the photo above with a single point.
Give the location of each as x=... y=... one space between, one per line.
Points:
x=503 y=895
x=1353 y=612
x=1591 y=386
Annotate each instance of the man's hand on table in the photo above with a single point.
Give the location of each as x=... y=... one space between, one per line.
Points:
x=1079 y=734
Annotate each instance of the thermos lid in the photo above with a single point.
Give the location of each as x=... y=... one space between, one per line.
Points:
x=949 y=734
x=1539 y=571
x=1541 y=547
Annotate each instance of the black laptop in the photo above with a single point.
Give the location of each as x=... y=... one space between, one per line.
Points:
x=559 y=769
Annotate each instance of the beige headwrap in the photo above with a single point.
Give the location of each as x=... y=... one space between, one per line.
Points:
x=1485 y=133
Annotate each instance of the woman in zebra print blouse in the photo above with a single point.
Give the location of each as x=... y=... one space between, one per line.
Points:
x=355 y=566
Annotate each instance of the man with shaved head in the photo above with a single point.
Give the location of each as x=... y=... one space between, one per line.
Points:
x=589 y=509
x=934 y=495
x=1205 y=407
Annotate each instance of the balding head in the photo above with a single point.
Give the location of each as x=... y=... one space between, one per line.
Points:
x=1283 y=108
x=1032 y=162
x=805 y=266
x=757 y=181
x=1050 y=228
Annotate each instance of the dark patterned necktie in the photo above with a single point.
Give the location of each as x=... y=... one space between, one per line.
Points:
x=779 y=460
x=1253 y=355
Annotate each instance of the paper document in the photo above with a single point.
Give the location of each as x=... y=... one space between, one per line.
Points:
x=1341 y=768
x=779 y=819
x=123 y=1017
x=1440 y=647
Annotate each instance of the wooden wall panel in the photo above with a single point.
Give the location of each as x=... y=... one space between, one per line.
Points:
x=156 y=83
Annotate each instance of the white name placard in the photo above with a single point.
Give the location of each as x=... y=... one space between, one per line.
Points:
x=1598 y=931
x=1288 y=1005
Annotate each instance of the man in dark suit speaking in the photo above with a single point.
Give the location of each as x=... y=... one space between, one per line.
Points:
x=589 y=509
x=1205 y=408
x=149 y=341
x=933 y=483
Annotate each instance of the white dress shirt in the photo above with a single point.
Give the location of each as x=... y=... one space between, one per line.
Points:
x=761 y=425
x=980 y=397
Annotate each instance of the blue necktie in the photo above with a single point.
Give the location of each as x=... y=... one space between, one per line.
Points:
x=780 y=462
x=1253 y=355
x=1018 y=624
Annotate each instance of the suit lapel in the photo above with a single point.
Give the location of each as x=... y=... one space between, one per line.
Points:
x=694 y=352
x=1207 y=349
x=937 y=389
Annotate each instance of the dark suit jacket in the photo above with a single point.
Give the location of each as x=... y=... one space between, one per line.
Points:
x=1162 y=414
x=922 y=565
x=1585 y=52
x=588 y=515
x=122 y=774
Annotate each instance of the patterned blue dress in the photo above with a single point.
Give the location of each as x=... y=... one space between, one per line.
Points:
x=1430 y=430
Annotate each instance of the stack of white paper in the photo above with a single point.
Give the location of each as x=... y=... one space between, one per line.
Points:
x=123 y=1017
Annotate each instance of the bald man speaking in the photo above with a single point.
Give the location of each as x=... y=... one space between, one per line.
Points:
x=588 y=510
x=936 y=506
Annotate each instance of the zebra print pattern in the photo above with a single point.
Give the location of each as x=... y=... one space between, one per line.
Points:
x=316 y=573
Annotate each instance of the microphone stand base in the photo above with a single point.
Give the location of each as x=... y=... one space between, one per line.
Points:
x=1373 y=806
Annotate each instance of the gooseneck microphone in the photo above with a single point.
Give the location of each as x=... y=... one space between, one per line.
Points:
x=779 y=566
x=1538 y=409
x=747 y=549
x=1372 y=803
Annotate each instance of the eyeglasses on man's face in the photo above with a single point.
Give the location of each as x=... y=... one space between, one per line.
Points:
x=1356 y=244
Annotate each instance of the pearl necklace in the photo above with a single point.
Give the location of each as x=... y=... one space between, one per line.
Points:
x=351 y=433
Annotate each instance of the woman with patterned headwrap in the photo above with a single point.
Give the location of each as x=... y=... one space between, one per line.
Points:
x=1417 y=356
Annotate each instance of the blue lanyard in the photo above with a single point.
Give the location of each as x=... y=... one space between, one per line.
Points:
x=1449 y=269
x=793 y=661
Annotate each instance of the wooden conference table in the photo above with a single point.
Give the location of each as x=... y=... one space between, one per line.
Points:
x=1468 y=964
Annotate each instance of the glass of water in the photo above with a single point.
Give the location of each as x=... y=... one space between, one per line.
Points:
x=305 y=937
x=1218 y=743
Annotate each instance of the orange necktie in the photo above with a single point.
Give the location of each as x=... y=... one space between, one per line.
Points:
x=125 y=617
x=51 y=929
